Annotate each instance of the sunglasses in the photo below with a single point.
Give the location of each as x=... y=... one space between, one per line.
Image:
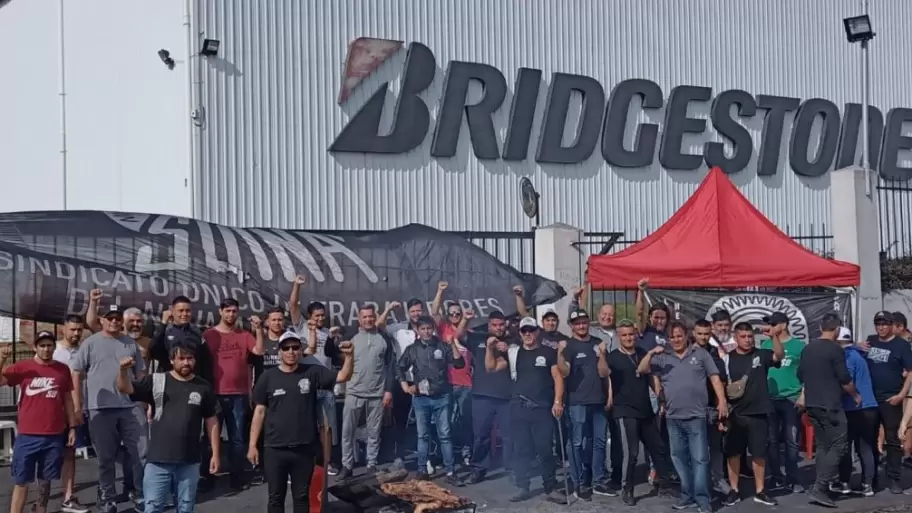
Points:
x=285 y=349
x=455 y=314
x=528 y=330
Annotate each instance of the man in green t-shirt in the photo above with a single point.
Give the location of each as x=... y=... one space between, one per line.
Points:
x=784 y=390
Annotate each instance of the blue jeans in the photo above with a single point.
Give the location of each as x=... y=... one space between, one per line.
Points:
x=587 y=461
x=233 y=410
x=783 y=427
x=461 y=419
x=690 y=455
x=161 y=479
x=434 y=410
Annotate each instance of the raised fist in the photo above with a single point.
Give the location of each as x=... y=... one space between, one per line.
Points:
x=442 y=285
x=95 y=295
x=335 y=331
x=518 y=290
x=578 y=293
x=643 y=284
x=658 y=349
x=561 y=346
x=311 y=325
x=6 y=351
x=300 y=280
x=393 y=305
x=491 y=341
x=126 y=362
x=255 y=322
x=346 y=347
x=166 y=316
x=468 y=314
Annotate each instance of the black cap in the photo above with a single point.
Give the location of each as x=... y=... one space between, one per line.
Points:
x=776 y=318
x=578 y=314
x=229 y=302
x=883 y=317
x=113 y=311
x=45 y=335
x=900 y=318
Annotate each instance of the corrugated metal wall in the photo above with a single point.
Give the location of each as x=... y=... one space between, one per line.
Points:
x=272 y=111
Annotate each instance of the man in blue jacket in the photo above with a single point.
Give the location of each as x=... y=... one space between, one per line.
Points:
x=862 y=421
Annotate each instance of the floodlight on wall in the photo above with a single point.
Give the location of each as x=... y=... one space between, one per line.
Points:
x=210 y=47
x=165 y=57
x=858 y=29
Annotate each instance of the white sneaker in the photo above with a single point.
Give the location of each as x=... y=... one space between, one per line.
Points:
x=430 y=468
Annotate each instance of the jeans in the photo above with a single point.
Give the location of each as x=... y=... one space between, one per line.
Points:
x=434 y=410
x=161 y=479
x=296 y=464
x=461 y=419
x=830 y=440
x=533 y=435
x=862 y=433
x=327 y=402
x=718 y=470
x=485 y=410
x=890 y=417
x=689 y=449
x=783 y=427
x=233 y=415
x=587 y=461
x=111 y=428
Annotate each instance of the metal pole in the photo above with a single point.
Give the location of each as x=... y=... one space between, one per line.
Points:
x=62 y=93
x=866 y=101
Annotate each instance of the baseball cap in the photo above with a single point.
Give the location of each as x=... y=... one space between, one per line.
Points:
x=884 y=316
x=776 y=318
x=528 y=322
x=113 y=311
x=45 y=335
x=549 y=313
x=578 y=314
x=844 y=334
x=288 y=337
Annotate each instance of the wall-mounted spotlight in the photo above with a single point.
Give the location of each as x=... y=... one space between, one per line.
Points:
x=165 y=57
x=210 y=47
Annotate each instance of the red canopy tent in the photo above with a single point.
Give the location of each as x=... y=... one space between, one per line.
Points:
x=718 y=239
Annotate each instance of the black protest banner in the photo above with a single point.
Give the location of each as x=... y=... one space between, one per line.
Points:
x=804 y=310
x=50 y=261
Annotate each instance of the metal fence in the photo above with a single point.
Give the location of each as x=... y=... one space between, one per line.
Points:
x=895 y=205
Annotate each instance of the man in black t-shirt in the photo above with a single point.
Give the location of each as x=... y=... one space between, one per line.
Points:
x=491 y=386
x=181 y=402
x=583 y=364
x=747 y=368
x=538 y=391
x=286 y=404
x=889 y=361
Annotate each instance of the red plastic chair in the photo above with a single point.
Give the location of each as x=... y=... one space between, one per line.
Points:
x=808 y=437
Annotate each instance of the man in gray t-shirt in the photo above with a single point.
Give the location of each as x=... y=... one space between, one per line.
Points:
x=113 y=418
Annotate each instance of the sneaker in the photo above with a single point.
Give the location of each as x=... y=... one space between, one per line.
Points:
x=896 y=488
x=794 y=488
x=840 y=488
x=556 y=496
x=605 y=489
x=684 y=504
x=652 y=479
x=421 y=475
x=346 y=473
x=820 y=498
x=522 y=495
x=777 y=483
x=702 y=510
x=476 y=477
x=627 y=497
x=722 y=487
x=132 y=496
x=453 y=480
x=733 y=497
x=332 y=470
x=866 y=490
x=762 y=498
x=73 y=506
x=371 y=469
x=584 y=494
x=467 y=460
x=397 y=464
x=258 y=479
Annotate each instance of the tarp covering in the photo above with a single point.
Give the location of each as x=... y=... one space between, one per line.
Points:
x=718 y=239
x=49 y=261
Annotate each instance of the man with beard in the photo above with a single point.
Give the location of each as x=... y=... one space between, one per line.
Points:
x=702 y=333
x=549 y=335
x=429 y=360
x=747 y=369
x=721 y=331
x=176 y=326
x=603 y=329
x=538 y=394
x=583 y=363
x=683 y=371
x=66 y=347
x=229 y=347
x=183 y=403
x=47 y=420
x=369 y=391
x=889 y=361
x=491 y=391
x=114 y=420
x=286 y=404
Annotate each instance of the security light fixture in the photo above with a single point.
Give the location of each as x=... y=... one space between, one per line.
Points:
x=858 y=29
x=165 y=57
x=210 y=47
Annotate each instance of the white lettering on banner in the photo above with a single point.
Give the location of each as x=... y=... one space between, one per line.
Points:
x=753 y=307
x=258 y=254
x=280 y=247
x=231 y=249
x=181 y=257
x=329 y=244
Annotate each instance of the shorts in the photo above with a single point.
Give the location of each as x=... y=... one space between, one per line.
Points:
x=327 y=401
x=747 y=432
x=37 y=456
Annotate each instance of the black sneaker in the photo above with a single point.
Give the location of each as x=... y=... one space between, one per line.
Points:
x=762 y=498
x=346 y=473
x=332 y=470
x=896 y=488
x=584 y=493
x=627 y=497
x=236 y=482
x=557 y=497
x=733 y=497
x=73 y=506
x=258 y=479
x=838 y=488
x=476 y=477
x=684 y=504
x=371 y=469
x=777 y=483
x=453 y=480
x=865 y=490
x=605 y=489
x=422 y=475
x=793 y=487
x=521 y=495
x=820 y=498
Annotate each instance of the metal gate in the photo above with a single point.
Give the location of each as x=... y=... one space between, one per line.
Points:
x=895 y=205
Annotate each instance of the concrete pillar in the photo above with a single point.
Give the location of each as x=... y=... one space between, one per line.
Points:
x=856 y=238
x=558 y=259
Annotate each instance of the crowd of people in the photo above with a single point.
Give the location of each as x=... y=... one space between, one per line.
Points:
x=709 y=404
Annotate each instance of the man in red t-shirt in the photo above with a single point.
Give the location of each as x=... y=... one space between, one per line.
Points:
x=47 y=421
x=229 y=346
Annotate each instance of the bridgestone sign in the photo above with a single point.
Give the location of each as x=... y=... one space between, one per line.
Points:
x=604 y=117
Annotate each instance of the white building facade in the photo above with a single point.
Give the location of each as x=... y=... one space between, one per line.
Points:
x=613 y=110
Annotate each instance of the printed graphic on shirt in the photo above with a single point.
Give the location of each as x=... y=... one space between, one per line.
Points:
x=304 y=386
x=879 y=355
x=753 y=308
x=39 y=386
x=278 y=392
x=438 y=354
x=756 y=362
x=195 y=399
x=540 y=361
